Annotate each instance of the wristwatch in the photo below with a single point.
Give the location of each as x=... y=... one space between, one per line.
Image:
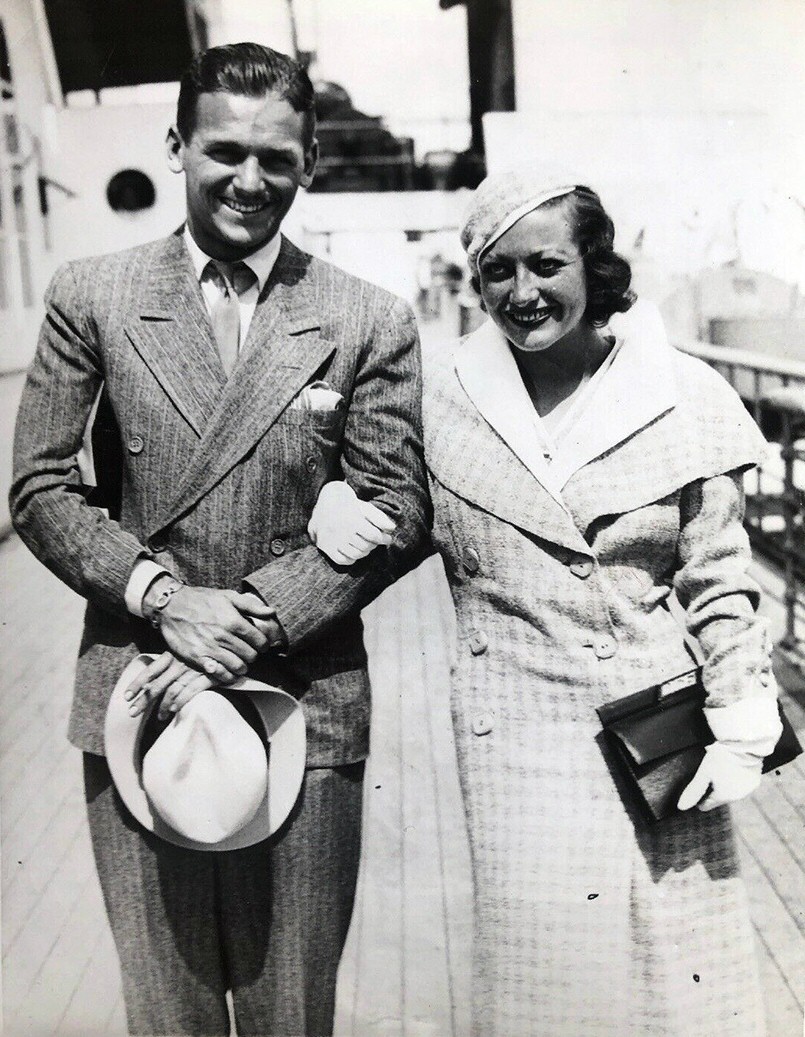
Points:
x=161 y=602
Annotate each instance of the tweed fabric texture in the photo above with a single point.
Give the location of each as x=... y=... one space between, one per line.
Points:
x=280 y=910
x=220 y=475
x=586 y=923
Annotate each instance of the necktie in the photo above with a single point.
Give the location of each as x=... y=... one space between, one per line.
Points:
x=233 y=279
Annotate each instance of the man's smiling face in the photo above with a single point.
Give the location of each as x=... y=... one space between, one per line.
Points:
x=243 y=163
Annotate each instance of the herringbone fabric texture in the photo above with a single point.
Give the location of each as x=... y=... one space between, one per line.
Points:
x=280 y=909
x=220 y=475
x=219 y=478
x=583 y=923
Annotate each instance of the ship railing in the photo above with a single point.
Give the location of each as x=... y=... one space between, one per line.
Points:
x=773 y=389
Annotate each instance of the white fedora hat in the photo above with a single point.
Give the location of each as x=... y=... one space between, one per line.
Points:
x=207 y=782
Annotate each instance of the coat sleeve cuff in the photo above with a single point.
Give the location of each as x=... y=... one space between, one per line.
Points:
x=142 y=576
x=751 y=724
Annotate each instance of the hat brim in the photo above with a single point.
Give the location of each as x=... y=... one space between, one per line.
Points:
x=519 y=212
x=284 y=725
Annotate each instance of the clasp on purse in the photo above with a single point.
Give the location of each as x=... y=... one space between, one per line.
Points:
x=684 y=680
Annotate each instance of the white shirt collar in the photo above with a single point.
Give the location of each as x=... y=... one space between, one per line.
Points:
x=261 y=262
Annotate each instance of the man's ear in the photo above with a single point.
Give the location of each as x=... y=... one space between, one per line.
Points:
x=311 y=158
x=175 y=150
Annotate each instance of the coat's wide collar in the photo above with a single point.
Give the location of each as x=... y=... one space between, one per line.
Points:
x=281 y=353
x=490 y=377
x=655 y=421
x=637 y=389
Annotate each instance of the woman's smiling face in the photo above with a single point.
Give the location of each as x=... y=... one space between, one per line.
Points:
x=532 y=280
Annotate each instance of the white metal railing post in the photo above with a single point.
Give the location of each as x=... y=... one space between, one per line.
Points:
x=790 y=404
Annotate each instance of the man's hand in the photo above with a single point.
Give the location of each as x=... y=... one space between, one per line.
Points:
x=345 y=528
x=169 y=678
x=210 y=629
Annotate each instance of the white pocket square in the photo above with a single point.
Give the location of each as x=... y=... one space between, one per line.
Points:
x=317 y=396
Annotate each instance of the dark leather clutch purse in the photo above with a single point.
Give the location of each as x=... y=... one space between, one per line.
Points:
x=658 y=737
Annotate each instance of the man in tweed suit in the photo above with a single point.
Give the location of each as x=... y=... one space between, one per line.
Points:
x=223 y=456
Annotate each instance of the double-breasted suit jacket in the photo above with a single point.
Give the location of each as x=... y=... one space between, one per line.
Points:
x=561 y=578
x=219 y=476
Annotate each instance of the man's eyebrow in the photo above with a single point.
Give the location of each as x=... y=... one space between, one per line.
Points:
x=237 y=145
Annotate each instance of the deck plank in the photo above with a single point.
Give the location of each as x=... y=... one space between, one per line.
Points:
x=775 y=859
x=782 y=956
x=371 y=980
x=405 y=972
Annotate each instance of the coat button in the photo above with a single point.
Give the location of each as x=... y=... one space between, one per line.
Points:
x=605 y=648
x=478 y=642
x=158 y=545
x=277 y=547
x=136 y=445
x=580 y=566
x=481 y=724
x=471 y=560
x=311 y=463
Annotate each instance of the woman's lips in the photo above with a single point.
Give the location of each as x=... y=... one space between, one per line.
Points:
x=529 y=316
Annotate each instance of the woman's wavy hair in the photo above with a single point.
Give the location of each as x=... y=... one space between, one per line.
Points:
x=608 y=274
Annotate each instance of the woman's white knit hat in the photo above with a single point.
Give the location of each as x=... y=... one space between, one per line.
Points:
x=504 y=198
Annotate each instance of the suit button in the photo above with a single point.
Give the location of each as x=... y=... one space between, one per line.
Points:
x=277 y=547
x=605 y=648
x=481 y=724
x=311 y=463
x=136 y=445
x=158 y=545
x=479 y=643
x=471 y=560
x=580 y=566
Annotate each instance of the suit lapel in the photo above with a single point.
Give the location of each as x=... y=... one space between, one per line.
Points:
x=282 y=352
x=172 y=334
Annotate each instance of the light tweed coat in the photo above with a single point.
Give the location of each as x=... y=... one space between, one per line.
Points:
x=220 y=476
x=583 y=925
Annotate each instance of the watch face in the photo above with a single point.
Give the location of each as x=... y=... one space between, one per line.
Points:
x=161 y=602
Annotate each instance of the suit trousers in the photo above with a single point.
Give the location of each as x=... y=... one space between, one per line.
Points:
x=267 y=922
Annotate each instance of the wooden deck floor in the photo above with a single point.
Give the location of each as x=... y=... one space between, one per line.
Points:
x=405 y=971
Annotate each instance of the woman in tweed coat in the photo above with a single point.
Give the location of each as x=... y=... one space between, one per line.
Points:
x=579 y=479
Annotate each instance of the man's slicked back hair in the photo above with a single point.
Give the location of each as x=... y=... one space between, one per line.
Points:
x=248 y=69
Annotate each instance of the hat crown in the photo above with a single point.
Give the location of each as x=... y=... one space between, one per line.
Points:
x=279 y=764
x=502 y=195
x=206 y=774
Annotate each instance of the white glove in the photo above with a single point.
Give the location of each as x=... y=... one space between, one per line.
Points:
x=724 y=776
x=746 y=731
x=345 y=528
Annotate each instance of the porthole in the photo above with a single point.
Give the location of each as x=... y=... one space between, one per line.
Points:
x=130 y=190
